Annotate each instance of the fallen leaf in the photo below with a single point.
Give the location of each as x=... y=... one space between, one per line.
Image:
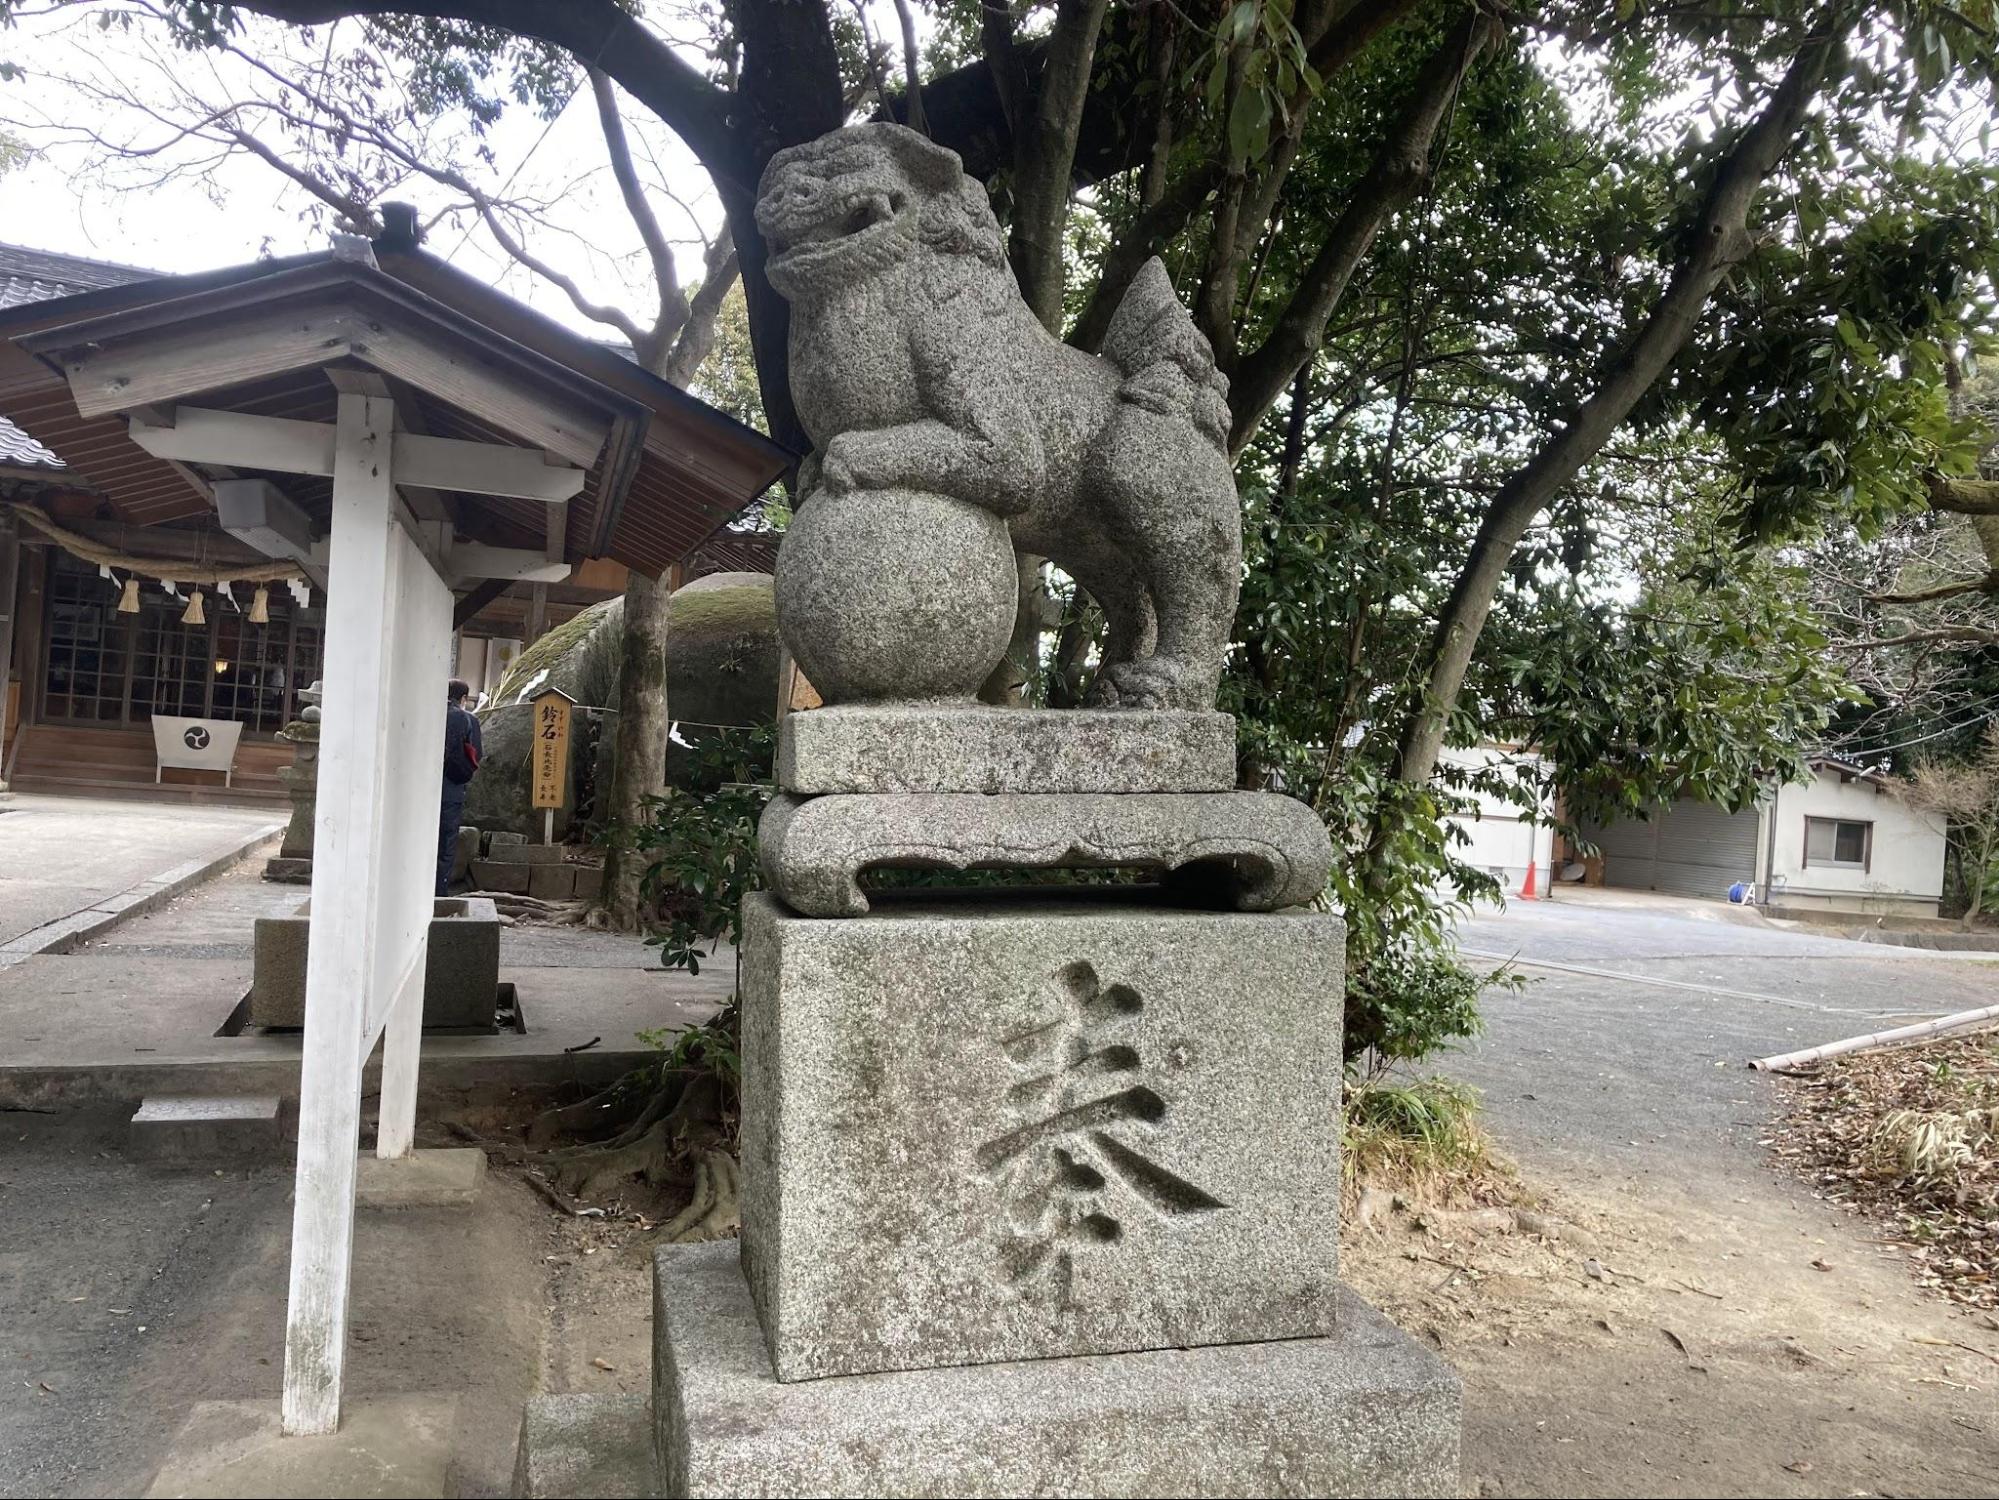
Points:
x=46 y=1387
x=603 y=1364
x=1677 y=1342
x=1800 y=1466
x=1593 y=1268
x=1820 y=1265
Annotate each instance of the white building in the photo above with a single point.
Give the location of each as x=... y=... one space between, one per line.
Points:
x=1838 y=842
x=1501 y=837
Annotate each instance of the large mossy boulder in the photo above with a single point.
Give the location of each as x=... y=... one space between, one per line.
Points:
x=721 y=669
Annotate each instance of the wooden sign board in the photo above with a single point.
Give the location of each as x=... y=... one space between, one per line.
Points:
x=551 y=747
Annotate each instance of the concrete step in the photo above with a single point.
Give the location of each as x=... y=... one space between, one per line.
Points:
x=238 y=1130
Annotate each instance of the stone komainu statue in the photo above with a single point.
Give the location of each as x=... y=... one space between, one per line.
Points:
x=916 y=365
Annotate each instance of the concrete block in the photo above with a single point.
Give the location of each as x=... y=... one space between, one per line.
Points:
x=590 y=882
x=971 y=748
x=288 y=871
x=500 y=840
x=234 y=1131
x=461 y=970
x=1366 y=1411
x=984 y=1131
x=552 y=882
x=532 y=854
x=466 y=851
x=386 y=1446
x=424 y=1179
x=586 y=1445
x=493 y=875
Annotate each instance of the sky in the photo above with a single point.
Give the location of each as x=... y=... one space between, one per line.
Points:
x=180 y=211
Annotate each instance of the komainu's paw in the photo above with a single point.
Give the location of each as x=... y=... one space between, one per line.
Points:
x=1154 y=682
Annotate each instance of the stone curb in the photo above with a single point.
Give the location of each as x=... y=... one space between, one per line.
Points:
x=72 y=1085
x=63 y=934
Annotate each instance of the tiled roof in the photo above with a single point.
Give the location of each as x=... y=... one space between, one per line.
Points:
x=36 y=276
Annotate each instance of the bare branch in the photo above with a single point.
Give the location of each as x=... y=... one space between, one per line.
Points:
x=1989 y=584
x=912 y=79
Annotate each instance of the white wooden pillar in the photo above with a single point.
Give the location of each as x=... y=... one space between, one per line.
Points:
x=388 y=632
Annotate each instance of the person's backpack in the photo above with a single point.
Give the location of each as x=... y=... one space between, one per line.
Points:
x=461 y=753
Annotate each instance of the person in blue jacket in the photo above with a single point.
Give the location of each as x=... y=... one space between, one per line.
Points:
x=461 y=764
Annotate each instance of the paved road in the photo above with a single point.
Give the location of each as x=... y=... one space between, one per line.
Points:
x=63 y=854
x=1641 y=1065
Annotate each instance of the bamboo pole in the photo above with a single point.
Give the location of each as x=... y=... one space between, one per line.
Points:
x=1790 y=1062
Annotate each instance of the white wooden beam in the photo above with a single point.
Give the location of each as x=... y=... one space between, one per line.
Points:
x=288 y=446
x=477 y=560
x=388 y=632
x=484 y=468
x=199 y=435
x=164 y=366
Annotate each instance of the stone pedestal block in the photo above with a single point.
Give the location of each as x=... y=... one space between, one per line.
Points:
x=986 y=1131
x=896 y=748
x=1366 y=1411
x=1255 y=851
x=461 y=977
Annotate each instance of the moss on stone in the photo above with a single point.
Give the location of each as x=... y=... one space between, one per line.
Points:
x=551 y=648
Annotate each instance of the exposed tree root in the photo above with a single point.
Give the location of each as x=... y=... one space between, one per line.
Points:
x=684 y=1117
x=714 y=1212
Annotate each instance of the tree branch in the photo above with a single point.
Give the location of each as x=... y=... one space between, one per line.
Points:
x=912 y=79
x=598 y=33
x=1720 y=239
x=1400 y=168
x=672 y=303
x=1989 y=584
x=1965 y=497
x=1045 y=157
x=1975 y=635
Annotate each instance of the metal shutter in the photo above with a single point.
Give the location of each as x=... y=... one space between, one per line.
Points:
x=1703 y=849
x=1689 y=849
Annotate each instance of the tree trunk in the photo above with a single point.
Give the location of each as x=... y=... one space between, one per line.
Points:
x=640 y=743
x=1721 y=238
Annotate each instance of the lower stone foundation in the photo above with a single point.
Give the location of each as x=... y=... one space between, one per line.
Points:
x=1365 y=1412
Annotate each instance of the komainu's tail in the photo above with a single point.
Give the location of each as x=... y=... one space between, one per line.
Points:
x=1166 y=363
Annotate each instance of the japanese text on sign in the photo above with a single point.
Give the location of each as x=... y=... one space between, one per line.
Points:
x=551 y=750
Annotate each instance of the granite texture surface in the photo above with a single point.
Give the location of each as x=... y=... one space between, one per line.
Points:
x=980 y=1132
x=1253 y=851
x=1366 y=1411
x=917 y=367
x=461 y=976
x=874 y=749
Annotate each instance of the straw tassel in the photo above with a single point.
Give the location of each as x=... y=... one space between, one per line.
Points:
x=260 y=606
x=128 y=601
x=194 y=615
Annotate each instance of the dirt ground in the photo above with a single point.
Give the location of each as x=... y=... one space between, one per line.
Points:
x=1748 y=1346
x=1718 y=1348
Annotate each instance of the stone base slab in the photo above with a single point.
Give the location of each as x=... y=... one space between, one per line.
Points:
x=925 y=748
x=979 y=1131
x=1254 y=851
x=582 y=1446
x=234 y=1131
x=1367 y=1411
x=392 y=1447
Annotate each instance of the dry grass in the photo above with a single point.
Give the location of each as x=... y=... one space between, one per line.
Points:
x=1909 y=1137
x=1420 y=1141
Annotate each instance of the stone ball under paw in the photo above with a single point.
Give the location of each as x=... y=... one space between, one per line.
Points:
x=888 y=596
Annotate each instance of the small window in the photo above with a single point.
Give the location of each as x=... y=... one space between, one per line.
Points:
x=1841 y=845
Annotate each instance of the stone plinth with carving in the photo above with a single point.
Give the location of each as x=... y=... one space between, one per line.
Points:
x=1040 y=1183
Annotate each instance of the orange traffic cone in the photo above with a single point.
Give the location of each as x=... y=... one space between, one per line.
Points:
x=1527 y=885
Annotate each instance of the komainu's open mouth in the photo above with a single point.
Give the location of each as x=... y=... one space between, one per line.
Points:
x=859 y=215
